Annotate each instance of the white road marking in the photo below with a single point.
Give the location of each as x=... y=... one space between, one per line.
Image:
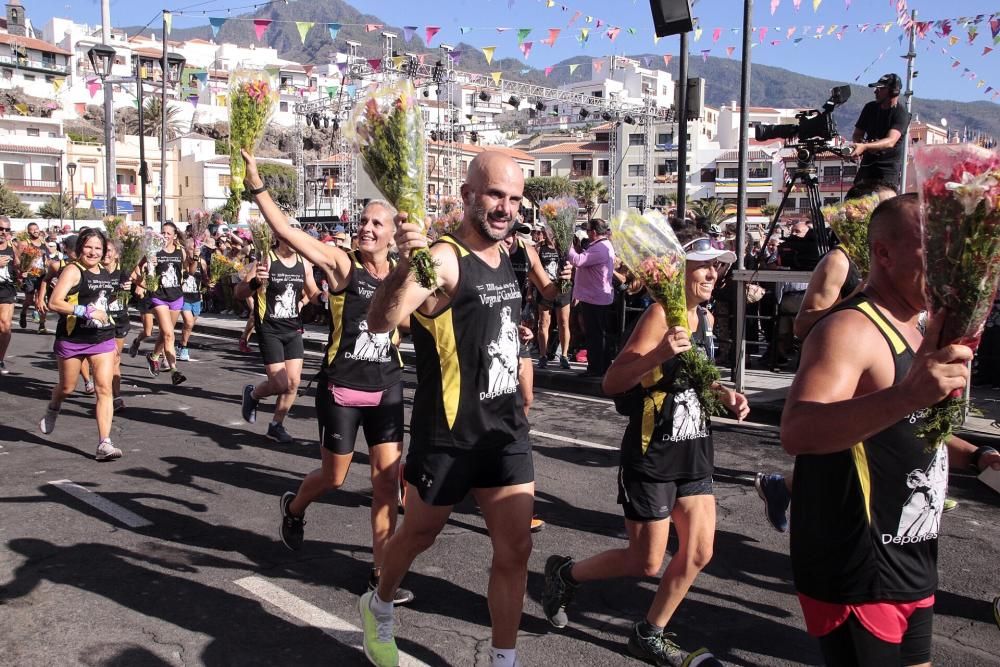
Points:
x=310 y=614
x=584 y=443
x=130 y=519
x=575 y=397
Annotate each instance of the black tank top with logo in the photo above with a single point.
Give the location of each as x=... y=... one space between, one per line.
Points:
x=116 y=309
x=354 y=357
x=670 y=438
x=467 y=361
x=276 y=307
x=169 y=268
x=853 y=278
x=865 y=521
x=191 y=287
x=94 y=289
x=54 y=279
x=7 y=286
x=550 y=259
x=522 y=267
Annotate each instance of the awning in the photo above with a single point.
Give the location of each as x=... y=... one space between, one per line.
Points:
x=123 y=205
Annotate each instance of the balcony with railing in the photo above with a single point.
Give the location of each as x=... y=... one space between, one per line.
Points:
x=49 y=66
x=31 y=184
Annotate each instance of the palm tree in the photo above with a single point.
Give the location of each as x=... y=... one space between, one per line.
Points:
x=711 y=209
x=129 y=119
x=768 y=210
x=591 y=193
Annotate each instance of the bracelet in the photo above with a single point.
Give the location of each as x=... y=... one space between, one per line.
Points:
x=257 y=191
x=978 y=454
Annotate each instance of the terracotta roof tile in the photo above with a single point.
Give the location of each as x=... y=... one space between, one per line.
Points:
x=40 y=150
x=32 y=43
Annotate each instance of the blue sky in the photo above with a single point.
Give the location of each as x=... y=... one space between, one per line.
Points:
x=827 y=57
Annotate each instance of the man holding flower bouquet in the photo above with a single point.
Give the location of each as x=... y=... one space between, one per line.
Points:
x=469 y=433
x=869 y=485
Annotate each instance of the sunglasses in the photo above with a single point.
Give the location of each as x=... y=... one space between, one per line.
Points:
x=698 y=245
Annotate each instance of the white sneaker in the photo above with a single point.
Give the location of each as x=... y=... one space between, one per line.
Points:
x=106 y=451
x=3 y=368
x=88 y=386
x=48 y=423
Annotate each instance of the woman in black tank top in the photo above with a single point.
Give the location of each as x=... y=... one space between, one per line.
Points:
x=195 y=276
x=85 y=331
x=167 y=302
x=666 y=452
x=119 y=311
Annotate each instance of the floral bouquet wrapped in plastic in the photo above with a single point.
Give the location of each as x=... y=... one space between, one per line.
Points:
x=31 y=264
x=263 y=239
x=559 y=214
x=387 y=130
x=959 y=189
x=128 y=240
x=646 y=243
x=252 y=100
x=849 y=220
x=152 y=243
x=449 y=218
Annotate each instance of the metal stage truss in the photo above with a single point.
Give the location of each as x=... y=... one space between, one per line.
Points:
x=445 y=122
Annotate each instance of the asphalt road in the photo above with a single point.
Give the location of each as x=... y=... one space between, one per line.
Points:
x=170 y=556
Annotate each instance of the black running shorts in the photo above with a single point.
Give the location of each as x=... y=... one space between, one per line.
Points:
x=31 y=284
x=8 y=293
x=644 y=499
x=277 y=347
x=121 y=324
x=445 y=476
x=338 y=424
x=852 y=644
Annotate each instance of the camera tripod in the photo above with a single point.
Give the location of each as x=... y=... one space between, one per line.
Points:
x=805 y=173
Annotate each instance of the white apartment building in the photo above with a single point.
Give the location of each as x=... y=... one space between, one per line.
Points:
x=36 y=67
x=32 y=151
x=627 y=81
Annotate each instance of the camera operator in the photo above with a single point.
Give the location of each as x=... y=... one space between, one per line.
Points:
x=879 y=133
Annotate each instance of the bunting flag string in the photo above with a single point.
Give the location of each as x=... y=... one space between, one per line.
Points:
x=260 y=27
x=488 y=52
x=429 y=33
x=168 y=21
x=334 y=28
x=304 y=27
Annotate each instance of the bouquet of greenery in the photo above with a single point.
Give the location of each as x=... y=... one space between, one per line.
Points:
x=152 y=243
x=388 y=132
x=559 y=214
x=197 y=227
x=646 y=244
x=849 y=220
x=252 y=99
x=260 y=231
x=959 y=189
x=128 y=240
x=449 y=218
x=221 y=268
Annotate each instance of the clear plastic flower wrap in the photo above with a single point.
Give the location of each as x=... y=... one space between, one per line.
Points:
x=559 y=214
x=387 y=130
x=152 y=243
x=849 y=221
x=128 y=240
x=648 y=246
x=959 y=190
x=253 y=98
x=263 y=239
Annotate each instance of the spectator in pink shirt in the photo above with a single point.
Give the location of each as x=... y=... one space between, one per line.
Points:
x=592 y=289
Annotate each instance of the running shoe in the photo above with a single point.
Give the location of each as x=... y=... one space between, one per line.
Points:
x=543 y=361
x=401 y=596
x=379 y=643
x=537 y=525
x=949 y=504
x=564 y=362
x=153 y=364
x=118 y=404
x=659 y=649
x=23 y=320
x=558 y=593
x=3 y=368
x=106 y=451
x=245 y=346
x=292 y=527
x=276 y=431
x=773 y=491
x=176 y=377
x=42 y=331
x=183 y=355
x=48 y=423
x=249 y=405
x=133 y=349
x=88 y=386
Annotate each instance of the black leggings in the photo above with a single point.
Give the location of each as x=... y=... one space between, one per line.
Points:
x=852 y=644
x=338 y=424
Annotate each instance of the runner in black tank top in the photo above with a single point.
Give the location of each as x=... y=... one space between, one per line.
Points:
x=278 y=284
x=119 y=311
x=8 y=290
x=167 y=301
x=195 y=275
x=86 y=332
x=359 y=384
x=468 y=431
x=666 y=462
x=868 y=492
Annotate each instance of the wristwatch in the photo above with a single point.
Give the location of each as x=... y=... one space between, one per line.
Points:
x=978 y=454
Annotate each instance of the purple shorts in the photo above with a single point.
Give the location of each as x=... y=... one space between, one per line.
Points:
x=68 y=349
x=176 y=304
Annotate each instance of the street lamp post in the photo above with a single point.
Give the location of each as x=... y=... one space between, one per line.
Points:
x=143 y=167
x=316 y=185
x=71 y=169
x=102 y=59
x=173 y=67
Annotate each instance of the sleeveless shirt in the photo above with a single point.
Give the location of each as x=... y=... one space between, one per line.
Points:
x=671 y=437
x=467 y=361
x=116 y=309
x=276 y=307
x=522 y=267
x=853 y=278
x=191 y=287
x=169 y=267
x=94 y=289
x=865 y=521
x=354 y=357
x=7 y=272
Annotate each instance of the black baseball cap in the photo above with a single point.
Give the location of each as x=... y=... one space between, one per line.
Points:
x=520 y=228
x=891 y=81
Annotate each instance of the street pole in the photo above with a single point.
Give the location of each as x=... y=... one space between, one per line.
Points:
x=163 y=123
x=110 y=185
x=682 y=117
x=741 y=199
x=72 y=196
x=911 y=56
x=143 y=167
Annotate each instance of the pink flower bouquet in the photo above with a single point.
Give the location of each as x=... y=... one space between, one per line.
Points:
x=559 y=214
x=252 y=100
